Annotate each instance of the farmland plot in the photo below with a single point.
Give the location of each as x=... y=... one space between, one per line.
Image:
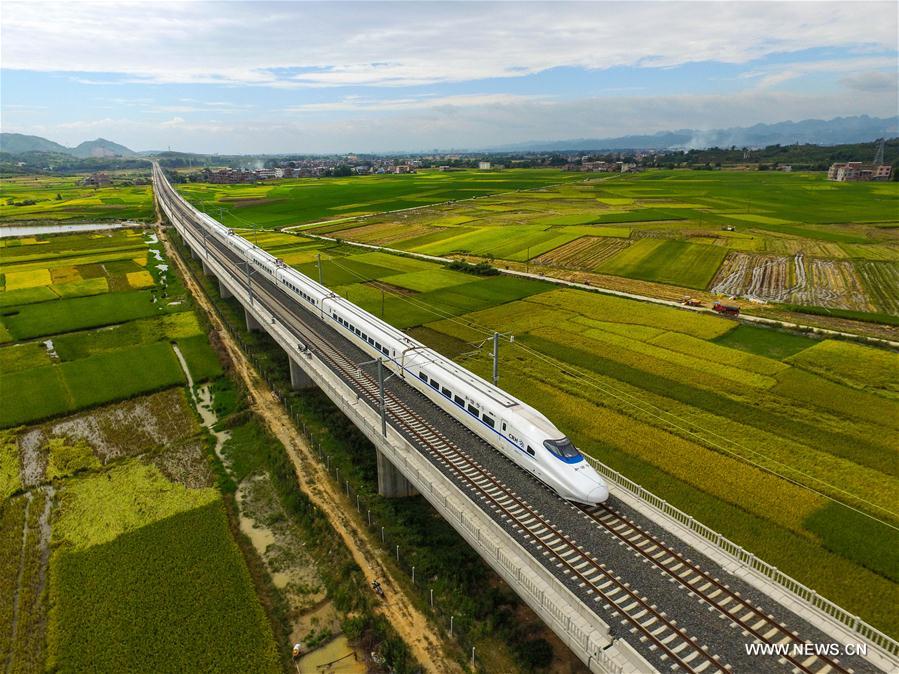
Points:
x=881 y=280
x=384 y=233
x=587 y=252
x=763 y=278
x=828 y=283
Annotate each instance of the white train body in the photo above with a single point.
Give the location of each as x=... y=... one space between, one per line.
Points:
x=515 y=429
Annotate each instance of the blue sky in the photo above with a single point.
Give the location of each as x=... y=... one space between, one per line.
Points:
x=382 y=76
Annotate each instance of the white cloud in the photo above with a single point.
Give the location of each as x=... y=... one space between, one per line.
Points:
x=774 y=75
x=299 y=44
x=871 y=81
x=358 y=104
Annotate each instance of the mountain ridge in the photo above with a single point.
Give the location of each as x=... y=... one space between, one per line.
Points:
x=836 y=131
x=18 y=143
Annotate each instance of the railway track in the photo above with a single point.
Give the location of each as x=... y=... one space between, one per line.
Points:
x=750 y=619
x=636 y=613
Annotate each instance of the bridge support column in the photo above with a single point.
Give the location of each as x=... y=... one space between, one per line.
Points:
x=252 y=324
x=298 y=377
x=224 y=292
x=206 y=269
x=391 y=483
x=195 y=255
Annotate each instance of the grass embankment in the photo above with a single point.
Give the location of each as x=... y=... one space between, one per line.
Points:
x=252 y=452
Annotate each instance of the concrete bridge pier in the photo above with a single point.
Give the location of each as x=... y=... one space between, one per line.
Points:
x=391 y=483
x=195 y=255
x=252 y=324
x=224 y=292
x=206 y=268
x=298 y=378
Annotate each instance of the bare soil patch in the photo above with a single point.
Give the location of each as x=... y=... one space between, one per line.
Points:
x=128 y=428
x=187 y=464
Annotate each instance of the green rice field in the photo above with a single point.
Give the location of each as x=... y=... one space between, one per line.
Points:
x=64 y=198
x=124 y=569
x=280 y=203
x=124 y=557
x=833 y=245
x=86 y=319
x=788 y=430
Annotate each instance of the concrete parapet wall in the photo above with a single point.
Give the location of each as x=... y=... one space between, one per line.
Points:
x=789 y=592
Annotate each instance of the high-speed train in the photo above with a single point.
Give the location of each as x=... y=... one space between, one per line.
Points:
x=515 y=429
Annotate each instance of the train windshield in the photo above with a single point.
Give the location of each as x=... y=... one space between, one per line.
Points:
x=563 y=448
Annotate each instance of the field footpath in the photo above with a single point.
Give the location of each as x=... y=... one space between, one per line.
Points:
x=423 y=640
x=749 y=318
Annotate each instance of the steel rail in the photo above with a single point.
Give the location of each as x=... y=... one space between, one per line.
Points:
x=636 y=610
x=708 y=588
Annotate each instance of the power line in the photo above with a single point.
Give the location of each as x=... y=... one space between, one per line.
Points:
x=619 y=394
x=661 y=413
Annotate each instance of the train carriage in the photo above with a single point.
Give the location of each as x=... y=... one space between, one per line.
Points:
x=515 y=429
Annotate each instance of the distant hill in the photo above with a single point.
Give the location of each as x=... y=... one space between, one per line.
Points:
x=101 y=148
x=17 y=143
x=837 y=131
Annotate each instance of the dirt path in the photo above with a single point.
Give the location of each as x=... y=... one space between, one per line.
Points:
x=424 y=642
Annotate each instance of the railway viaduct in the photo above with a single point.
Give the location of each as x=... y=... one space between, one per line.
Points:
x=631 y=586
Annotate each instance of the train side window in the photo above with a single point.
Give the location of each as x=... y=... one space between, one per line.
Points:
x=371 y=341
x=488 y=421
x=377 y=346
x=504 y=425
x=447 y=392
x=474 y=410
x=531 y=451
x=423 y=377
x=435 y=384
x=459 y=400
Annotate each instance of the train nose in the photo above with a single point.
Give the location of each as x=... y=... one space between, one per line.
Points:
x=598 y=494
